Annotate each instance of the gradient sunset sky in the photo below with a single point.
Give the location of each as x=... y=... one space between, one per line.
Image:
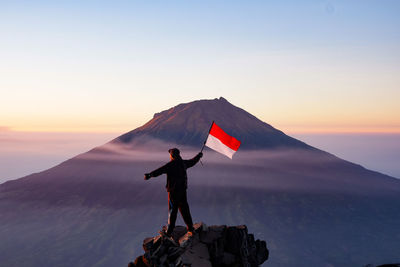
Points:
x=108 y=66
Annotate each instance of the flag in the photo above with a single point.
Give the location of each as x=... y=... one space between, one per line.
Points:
x=222 y=142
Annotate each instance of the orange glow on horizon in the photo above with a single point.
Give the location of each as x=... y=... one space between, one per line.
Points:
x=286 y=129
x=69 y=130
x=341 y=130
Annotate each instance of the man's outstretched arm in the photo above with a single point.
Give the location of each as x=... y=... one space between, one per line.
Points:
x=157 y=172
x=191 y=162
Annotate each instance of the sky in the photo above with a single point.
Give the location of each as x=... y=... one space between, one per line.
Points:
x=108 y=66
x=91 y=70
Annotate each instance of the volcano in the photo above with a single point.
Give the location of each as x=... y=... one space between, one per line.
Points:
x=312 y=208
x=187 y=124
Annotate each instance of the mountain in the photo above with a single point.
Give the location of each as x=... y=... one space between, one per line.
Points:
x=187 y=124
x=313 y=208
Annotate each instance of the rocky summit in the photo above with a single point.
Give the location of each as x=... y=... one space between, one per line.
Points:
x=209 y=246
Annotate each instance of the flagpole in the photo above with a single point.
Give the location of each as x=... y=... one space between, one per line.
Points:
x=206 y=140
x=207 y=137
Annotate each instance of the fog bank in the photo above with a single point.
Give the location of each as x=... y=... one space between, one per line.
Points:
x=25 y=153
x=379 y=152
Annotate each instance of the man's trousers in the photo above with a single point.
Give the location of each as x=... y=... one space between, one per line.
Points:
x=178 y=200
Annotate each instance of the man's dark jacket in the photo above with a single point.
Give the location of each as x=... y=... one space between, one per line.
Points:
x=176 y=173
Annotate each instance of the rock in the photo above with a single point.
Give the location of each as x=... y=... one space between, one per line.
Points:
x=197 y=255
x=262 y=252
x=139 y=262
x=148 y=244
x=179 y=231
x=228 y=259
x=198 y=227
x=210 y=246
x=212 y=234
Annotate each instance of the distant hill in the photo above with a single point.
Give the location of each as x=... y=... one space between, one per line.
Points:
x=313 y=208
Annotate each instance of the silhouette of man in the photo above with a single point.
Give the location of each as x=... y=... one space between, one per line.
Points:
x=176 y=187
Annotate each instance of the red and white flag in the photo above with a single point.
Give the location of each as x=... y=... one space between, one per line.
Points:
x=221 y=141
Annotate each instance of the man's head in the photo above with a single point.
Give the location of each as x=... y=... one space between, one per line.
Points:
x=174 y=153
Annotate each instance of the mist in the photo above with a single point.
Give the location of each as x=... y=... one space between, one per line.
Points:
x=23 y=153
x=379 y=152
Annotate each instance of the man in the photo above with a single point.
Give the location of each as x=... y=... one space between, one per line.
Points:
x=176 y=187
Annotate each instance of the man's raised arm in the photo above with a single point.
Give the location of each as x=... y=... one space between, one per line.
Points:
x=191 y=162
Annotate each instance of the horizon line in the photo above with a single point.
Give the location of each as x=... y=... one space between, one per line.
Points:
x=286 y=130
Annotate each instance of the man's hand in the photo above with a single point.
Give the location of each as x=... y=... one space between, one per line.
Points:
x=147 y=176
